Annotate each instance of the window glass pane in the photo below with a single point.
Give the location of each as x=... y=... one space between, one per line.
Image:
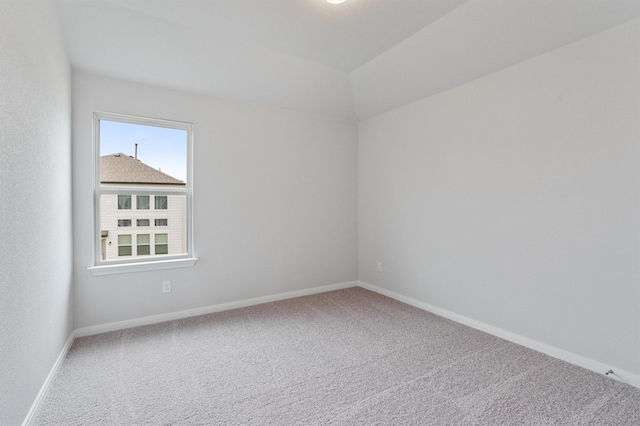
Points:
x=124 y=202
x=124 y=239
x=160 y=147
x=161 y=202
x=124 y=251
x=132 y=158
x=161 y=238
x=142 y=202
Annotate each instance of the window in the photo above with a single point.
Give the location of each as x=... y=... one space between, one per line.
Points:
x=142 y=202
x=144 y=246
x=124 y=245
x=144 y=165
x=161 y=202
x=162 y=246
x=124 y=202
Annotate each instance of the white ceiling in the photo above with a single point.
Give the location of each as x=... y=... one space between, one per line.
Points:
x=353 y=60
x=337 y=36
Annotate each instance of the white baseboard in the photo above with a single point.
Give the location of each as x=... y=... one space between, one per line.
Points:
x=570 y=357
x=31 y=415
x=120 y=325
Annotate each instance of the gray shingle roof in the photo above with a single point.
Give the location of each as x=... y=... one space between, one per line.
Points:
x=121 y=168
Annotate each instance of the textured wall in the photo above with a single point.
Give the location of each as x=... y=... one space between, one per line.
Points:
x=275 y=198
x=35 y=202
x=513 y=200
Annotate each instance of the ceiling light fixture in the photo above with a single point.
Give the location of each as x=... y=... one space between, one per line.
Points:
x=335 y=1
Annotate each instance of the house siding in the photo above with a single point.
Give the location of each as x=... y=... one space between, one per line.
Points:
x=176 y=229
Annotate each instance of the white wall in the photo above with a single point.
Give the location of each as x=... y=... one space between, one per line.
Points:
x=514 y=200
x=35 y=202
x=275 y=202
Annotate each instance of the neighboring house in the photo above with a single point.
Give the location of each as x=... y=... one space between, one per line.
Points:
x=134 y=224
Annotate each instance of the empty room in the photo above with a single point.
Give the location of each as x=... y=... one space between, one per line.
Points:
x=317 y=212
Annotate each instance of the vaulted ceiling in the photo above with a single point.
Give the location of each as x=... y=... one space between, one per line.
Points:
x=351 y=61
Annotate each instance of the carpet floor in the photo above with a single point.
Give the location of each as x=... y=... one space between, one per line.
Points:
x=343 y=357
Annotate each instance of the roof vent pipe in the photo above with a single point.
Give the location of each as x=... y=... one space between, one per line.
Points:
x=136 y=153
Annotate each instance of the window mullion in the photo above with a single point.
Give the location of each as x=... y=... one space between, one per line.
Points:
x=141 y=191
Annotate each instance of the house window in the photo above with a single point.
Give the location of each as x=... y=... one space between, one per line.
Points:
x=161 y=202
x=124 y=202
x=142 y=164
x=142 y=202
x=144 y=245
x=162 y=243
x=124 y=245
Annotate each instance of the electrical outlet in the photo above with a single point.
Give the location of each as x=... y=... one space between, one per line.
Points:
x=379 y=267
x=166 y=286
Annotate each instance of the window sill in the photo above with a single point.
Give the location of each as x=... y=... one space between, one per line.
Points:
x=123 y=268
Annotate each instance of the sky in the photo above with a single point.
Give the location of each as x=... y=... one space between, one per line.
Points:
x=158 y=147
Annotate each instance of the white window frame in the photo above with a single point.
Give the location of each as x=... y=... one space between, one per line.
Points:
x=115 y=266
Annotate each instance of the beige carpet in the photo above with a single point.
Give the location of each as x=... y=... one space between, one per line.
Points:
x=345 y=357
